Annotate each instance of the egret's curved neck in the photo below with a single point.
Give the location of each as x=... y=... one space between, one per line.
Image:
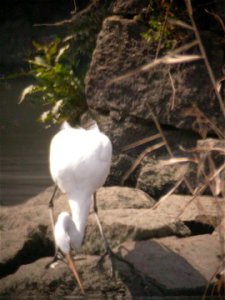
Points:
x=80 y=208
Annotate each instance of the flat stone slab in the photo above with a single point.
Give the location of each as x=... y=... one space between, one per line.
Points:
x=176 y=264
x=34 y=280
x=168 y=217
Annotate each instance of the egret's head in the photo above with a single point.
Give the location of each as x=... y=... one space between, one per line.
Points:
x=64 y=228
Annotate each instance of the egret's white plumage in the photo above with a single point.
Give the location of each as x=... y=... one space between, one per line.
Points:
x=79 y=164
x=64 y=232
x=80 y=161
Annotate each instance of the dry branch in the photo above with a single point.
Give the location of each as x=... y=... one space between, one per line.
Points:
x=141 y=142
x=140 y=158
x=200 y=189
x=173 y=91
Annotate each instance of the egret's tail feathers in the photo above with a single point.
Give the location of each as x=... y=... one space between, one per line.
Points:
x=93 y=125
x=65 y=125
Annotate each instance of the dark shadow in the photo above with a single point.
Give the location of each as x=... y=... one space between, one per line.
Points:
x=38 y=245
x=161 y=272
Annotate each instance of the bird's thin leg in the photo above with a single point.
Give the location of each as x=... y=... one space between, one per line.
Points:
x=108 y=250
x=50 y=203
x=51 y=208
x=59 y=255
x=99 y=223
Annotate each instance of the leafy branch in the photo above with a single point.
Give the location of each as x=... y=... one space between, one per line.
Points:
x=57 y=87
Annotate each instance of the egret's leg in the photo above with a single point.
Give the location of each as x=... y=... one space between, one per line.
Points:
x=51 y=208
x=99 y=223
x=59 y=255
x=108 y=250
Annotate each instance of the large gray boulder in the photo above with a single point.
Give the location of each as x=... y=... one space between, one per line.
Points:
x=120 y=49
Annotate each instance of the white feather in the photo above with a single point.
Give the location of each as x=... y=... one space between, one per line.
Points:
x=79 y=164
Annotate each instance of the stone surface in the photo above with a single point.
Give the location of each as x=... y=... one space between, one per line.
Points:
x=176 y=264
x=34 y=280
x=156 y=178
x=33 y=222
x=123 y=198
x=166 y=264
x=175 y=215
x=131 y=7
x=120 y=49
x=26 y=238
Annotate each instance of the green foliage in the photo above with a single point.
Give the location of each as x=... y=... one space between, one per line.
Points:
x=56 y=86
x=159 y=30
x=60 y=68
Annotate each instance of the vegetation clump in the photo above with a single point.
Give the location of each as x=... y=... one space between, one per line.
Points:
x=57 y=87
x=160 y=17
x=59 y=70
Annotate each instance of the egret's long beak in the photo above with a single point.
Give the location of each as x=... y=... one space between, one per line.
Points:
x=72 y=266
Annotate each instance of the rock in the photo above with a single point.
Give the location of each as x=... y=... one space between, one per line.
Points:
x=176 y=215
x=125 y=213
x=167 y=265
x=123 y=224
x=28 y=236
x=188 y=208
x=156 y=178
x=34 y=280
x=123 y=198
x=131 y=7
x=127 y=105
x=176 y=264
x=129 y=140
x=120 y=49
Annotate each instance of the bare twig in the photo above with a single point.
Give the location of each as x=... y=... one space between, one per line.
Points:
x=160 y=131
x=140 y=158
x=173 y=90
x=176 y=160
x=167 y=146
x=200 y=189
x=164 y=197
x=202 y=120
x=180 y=23
x=200 y=149
x=75 y=7
x=141 y=142
x=217 y=17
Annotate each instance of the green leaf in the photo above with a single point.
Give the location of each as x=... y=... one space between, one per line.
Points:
x=61 y=53
x=27 y=91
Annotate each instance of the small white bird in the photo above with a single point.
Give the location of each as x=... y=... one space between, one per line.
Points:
x=80 y=161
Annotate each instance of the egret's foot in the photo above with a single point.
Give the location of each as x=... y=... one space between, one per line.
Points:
x=59 y=256
x=108 y=252
x=113 y=258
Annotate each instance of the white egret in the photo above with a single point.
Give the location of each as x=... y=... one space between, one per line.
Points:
x=80 y=161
